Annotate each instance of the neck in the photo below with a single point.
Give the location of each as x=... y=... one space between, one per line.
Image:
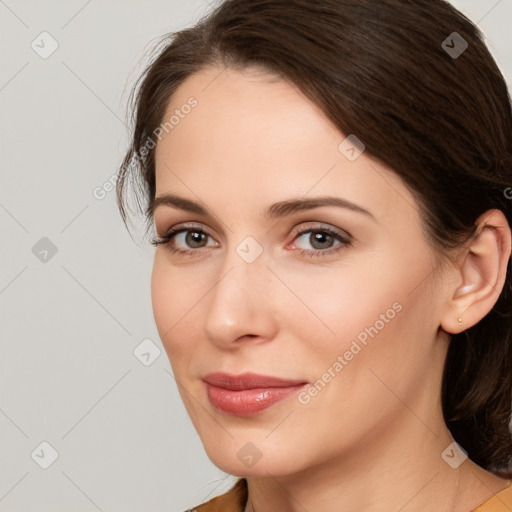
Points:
x=401 y=468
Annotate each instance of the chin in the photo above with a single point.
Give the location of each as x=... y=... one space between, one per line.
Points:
x=244 y=458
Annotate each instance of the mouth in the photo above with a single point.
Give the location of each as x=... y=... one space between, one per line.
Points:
x=249 y=393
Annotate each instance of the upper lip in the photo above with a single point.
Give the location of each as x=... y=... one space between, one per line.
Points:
x=248 y=381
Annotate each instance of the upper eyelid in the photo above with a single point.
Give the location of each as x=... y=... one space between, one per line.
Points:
x=322 y=227
x=313 y=226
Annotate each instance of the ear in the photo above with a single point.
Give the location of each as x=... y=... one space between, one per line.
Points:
x=482 y=270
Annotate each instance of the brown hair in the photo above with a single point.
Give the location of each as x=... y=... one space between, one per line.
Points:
x=441 y=121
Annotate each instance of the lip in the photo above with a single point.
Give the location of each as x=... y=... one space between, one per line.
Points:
x=248 y=393
x=248 y=381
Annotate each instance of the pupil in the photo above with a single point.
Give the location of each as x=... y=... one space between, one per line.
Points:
x=193 y=237
x=321 y=237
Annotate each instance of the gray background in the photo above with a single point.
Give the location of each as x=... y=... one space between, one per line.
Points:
x=69 y=325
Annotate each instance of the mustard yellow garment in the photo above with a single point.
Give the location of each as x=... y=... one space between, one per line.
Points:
x=235 y=499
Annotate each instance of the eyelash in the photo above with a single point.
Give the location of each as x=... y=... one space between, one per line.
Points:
x=344 y=242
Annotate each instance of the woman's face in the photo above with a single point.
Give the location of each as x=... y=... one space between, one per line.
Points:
x=266 y=289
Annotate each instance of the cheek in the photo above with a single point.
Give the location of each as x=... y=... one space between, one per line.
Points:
x=369 y=309
x=332 y=306
x=173 y=295
x=162 y=298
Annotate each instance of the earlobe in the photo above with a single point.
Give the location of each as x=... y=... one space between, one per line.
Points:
x=482 y=272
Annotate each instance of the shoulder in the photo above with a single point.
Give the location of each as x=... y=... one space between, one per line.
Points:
x=232 y=501
x=501 y=502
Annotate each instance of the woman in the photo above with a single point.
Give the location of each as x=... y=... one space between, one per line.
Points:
x=329 y=183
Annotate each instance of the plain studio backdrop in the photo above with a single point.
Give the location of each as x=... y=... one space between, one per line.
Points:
x=90 y=416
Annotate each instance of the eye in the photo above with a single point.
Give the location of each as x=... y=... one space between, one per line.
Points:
x=184 y=240
x=324 y=241
x=191 y=239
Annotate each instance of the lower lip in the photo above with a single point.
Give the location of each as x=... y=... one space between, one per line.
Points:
x=247 y=402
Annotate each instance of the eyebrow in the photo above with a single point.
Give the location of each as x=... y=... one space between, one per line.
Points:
x=280 y=209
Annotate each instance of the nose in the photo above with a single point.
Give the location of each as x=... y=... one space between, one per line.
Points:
x=240 y=307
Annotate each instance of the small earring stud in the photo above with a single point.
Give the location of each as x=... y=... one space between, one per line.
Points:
x=460 y=320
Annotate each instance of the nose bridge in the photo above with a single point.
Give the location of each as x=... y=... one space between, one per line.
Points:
x=243 y=268
x=238 y=304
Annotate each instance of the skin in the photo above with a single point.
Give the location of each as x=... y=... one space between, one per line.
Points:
x=372 y=438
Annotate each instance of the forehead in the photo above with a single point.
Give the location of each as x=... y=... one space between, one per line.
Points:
x=258 y=136
x=242 y=107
